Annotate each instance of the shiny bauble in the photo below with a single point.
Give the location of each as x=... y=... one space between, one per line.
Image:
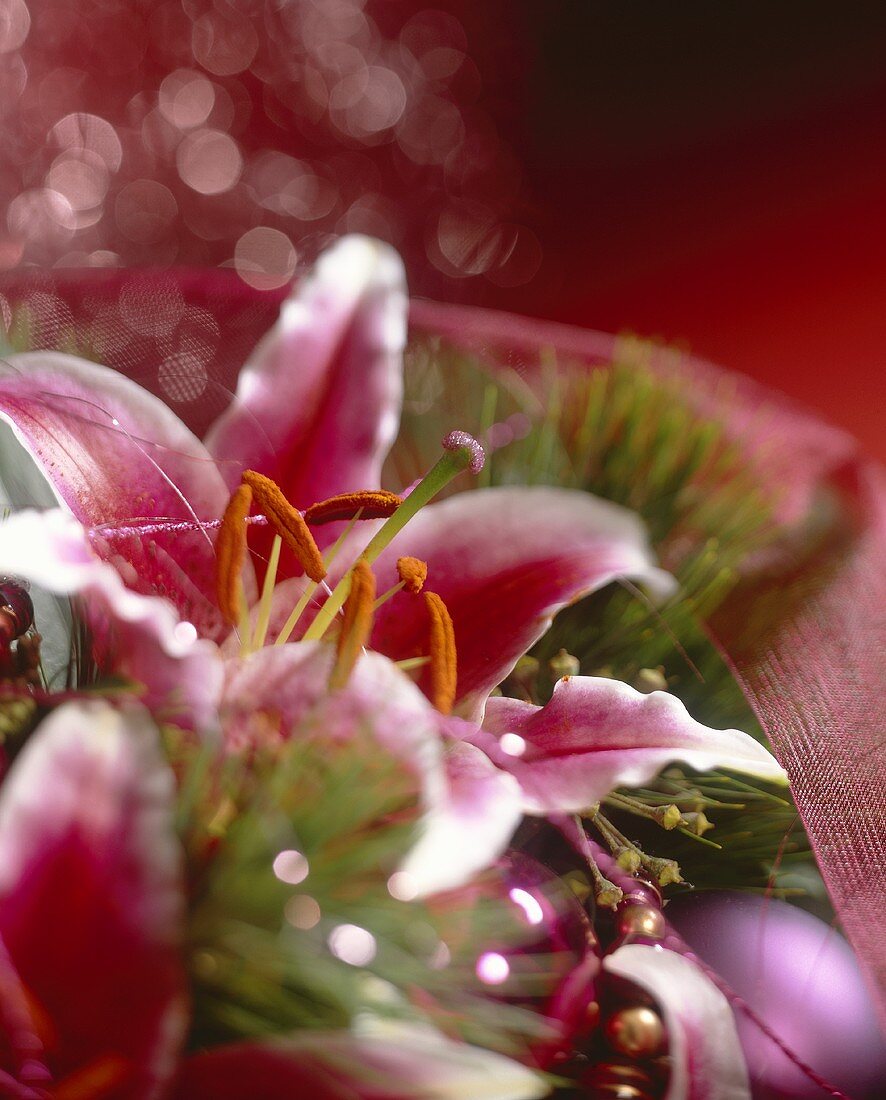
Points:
x=802 y=978
x=559 y=946
x=635 y=1030
x=636 y=922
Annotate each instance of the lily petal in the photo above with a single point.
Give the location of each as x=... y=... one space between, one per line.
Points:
x=114 y=454
x=704 y=1052
x=383 y=1060
x=318 y=406
x=91 y=897
x=141 y=636
x=290 y=684
x=597 y=734
x=469 y=828
x=504 y=562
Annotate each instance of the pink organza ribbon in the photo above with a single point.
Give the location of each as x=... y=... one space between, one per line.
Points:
x=805 y=633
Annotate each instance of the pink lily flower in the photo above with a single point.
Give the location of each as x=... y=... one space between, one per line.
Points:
x=316 y=410
x=94 y=1000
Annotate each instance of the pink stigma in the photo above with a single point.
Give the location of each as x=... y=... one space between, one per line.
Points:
x=457 y=441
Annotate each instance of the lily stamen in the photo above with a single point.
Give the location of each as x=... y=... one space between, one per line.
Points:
x=356 y=624
x=230 y=551
x=312 y=586
x=443 y=659
x=627 y=855
x=267 y=595
x=362 y=504
x=412 y=573
x=287 y=522
x=668 y=816
x=460 y=452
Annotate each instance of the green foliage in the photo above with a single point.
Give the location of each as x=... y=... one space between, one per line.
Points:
x=632 y=434
x=261 y=959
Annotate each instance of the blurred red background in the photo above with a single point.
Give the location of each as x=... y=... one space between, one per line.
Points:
x=713 y=175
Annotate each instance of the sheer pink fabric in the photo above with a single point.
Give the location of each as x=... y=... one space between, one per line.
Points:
x=805 y=631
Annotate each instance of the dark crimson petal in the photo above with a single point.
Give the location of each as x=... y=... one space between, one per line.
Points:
x=504 y=562
x=91 y=900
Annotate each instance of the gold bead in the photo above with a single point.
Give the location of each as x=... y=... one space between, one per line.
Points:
x=641 y=920
x=636 y=1030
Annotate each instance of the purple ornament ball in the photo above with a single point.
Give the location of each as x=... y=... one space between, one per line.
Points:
x=803 y=979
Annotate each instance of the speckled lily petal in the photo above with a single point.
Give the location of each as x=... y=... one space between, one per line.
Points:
x=505 y=561
x=705 y=1055
x=91 y=894
x=597 y=734
x=114 y=454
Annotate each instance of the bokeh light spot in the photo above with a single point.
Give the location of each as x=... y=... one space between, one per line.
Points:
x=302 y=911
x=81 y=132
x=185 y=633
x=512 y=744
x=530 y=905
x=402 y=886
x=145 y=211
x=352 y=944
x=186 y=98
x=493 y=968
x=209 y=161
x=183 y=376
x=40 y=213
x=15 y=22
x=265 y=258
x=224 y=44
x=291 y=866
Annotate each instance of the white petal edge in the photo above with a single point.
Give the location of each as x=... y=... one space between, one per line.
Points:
x=467 y=827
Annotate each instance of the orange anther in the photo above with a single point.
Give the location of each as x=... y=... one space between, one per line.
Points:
x=443 y=666
x=356 y=623
x=413 y=572
x=369 y=503
x=287 y=522
x=230 y=552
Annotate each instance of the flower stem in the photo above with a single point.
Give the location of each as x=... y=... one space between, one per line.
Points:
x=460 y=455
